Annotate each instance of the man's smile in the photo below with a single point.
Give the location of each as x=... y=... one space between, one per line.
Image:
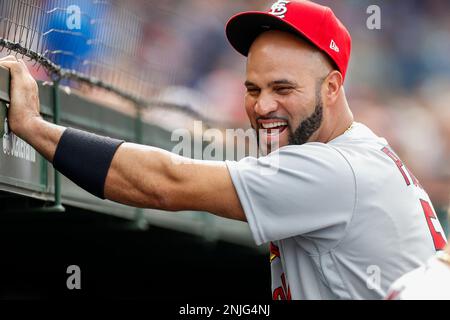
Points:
x=271 y=130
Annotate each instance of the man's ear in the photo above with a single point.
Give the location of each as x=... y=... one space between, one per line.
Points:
x=333 y=84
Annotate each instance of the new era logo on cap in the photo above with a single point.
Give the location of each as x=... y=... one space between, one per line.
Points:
x=333 y=46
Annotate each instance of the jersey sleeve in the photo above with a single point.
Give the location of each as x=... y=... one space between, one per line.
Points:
x=306 y=190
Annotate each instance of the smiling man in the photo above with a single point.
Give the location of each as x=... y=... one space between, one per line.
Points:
x=343 y=215
x=285 y=70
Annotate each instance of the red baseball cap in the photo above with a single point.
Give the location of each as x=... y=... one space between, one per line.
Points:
x=310 y=20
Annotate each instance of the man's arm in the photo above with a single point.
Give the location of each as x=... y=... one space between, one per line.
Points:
x=150 y=177
x=139 y=175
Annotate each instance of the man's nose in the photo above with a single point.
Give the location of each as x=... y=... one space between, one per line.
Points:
x=265 y=105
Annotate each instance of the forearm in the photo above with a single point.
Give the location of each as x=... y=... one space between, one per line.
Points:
x=140 y=176
x=43 y=136
x=125 y=182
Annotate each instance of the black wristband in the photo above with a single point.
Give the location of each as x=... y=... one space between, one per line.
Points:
x=85 y=159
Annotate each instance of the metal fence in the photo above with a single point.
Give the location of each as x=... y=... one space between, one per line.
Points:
x=93 y=42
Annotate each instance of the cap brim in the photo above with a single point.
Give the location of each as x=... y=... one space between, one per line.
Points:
x=242 y=29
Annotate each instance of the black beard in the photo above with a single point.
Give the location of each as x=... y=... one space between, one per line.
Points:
x=307 y=127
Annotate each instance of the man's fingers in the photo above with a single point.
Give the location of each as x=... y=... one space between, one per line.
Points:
x=9 y=58
x=13 y=66
x=6 y=64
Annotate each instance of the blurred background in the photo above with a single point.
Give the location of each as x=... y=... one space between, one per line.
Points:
x=175 y=51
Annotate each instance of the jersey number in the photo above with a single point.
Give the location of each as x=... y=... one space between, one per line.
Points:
x=438 y=239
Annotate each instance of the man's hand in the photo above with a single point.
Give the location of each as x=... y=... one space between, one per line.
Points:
x=24 y=106
x=24 y=118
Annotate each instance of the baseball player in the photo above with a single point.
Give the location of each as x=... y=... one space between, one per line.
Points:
x=343 y=215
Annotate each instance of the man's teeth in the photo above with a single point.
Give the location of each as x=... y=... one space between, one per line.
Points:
x=273 y=125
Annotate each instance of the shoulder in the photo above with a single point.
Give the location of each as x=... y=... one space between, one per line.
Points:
x=313 y=151
x=310 y=163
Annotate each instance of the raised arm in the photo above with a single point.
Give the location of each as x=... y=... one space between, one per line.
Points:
x=154 y=178
x=138 y=175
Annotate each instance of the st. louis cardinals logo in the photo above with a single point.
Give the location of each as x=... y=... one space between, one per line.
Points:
x=279 y=8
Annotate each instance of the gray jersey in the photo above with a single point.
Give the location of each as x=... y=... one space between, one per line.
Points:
x=344 y=219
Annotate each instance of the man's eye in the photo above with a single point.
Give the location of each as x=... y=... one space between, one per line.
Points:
x=252 y=91
x=284 y=90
